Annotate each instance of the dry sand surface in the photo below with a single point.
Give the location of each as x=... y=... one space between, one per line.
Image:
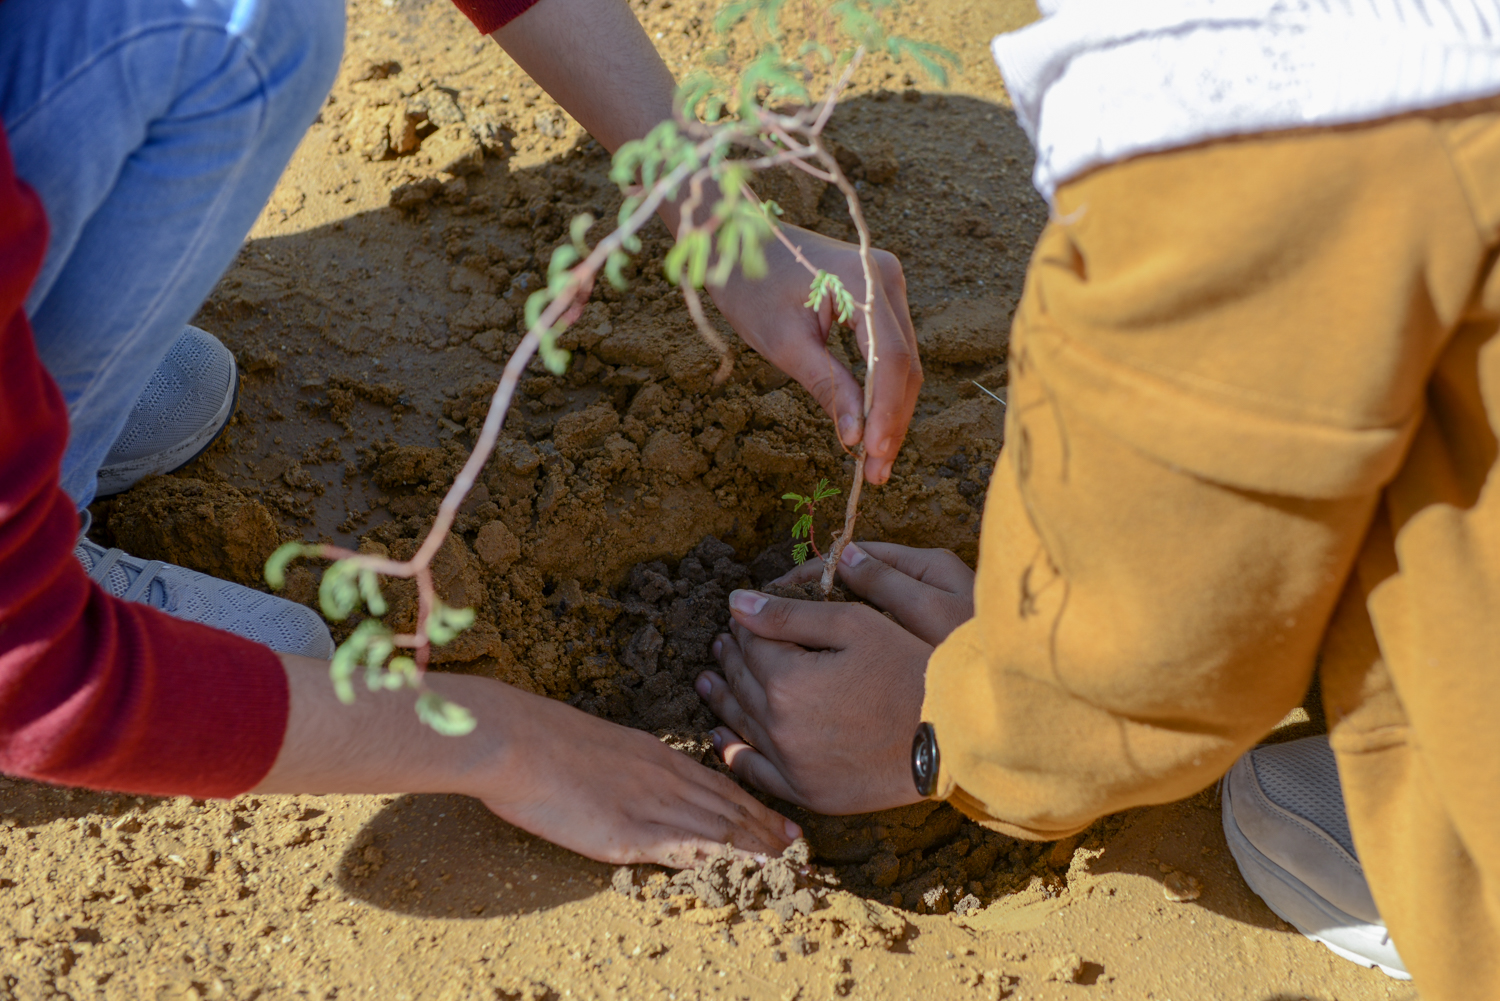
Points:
x=369 y=311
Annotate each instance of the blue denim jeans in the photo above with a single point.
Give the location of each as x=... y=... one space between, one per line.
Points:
x=153 y=131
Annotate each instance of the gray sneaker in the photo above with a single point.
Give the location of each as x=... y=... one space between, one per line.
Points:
x=185 y=406
x=282 y=625
x=1286 y=826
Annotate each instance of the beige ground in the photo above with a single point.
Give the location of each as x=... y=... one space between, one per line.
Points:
x=367 y=335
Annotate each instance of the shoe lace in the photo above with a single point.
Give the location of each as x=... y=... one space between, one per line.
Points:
x=140 y=588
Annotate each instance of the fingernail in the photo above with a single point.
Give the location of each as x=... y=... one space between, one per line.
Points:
x=716 y=740
x=703 y=686
x=848 y=429
x=749 y=602
x=852 y=556
x=793 y=832
x=718 y=649
x=886 y=447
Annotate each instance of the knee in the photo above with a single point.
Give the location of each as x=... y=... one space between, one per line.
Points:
x=323 y=39
x=303 y=42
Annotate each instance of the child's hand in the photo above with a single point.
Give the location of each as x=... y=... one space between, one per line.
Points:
x=929 y=591
x=821 y=701
x=620 y=795
x=771 y=315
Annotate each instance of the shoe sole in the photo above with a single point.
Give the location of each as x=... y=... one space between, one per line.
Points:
x=1302 y=907
x=122 y=476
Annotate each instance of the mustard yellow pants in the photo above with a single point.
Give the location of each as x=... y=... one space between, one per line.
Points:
x=1254 y=400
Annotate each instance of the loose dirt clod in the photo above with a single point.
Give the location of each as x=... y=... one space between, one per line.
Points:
x=728 y=884
x=1067 y=969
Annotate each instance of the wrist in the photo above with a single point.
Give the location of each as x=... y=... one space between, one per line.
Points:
x=478 y=763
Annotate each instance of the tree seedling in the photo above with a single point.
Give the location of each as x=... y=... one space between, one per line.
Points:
x=723 y=131
x=803 y=529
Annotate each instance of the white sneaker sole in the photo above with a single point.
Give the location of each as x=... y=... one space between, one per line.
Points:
x=121 y=476
x=1304 y=909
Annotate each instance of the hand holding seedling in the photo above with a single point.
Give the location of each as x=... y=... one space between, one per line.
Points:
x=772 y=317
x=929 y=591
x=822 y=698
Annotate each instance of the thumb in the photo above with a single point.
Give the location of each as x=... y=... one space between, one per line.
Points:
x=834 y=387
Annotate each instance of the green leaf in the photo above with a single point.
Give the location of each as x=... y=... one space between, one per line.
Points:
x=627 y=209
x=803 y=528
x=773 y=74
x=555 y=358
x=691 y=252
x=928 y=55
x=369 y=588
x=339 y=591
x=341 y=669
x=696 y=89
x=614 y=269
x=799 y=552
x=578 y=229
x=797 y=497
x=445 y=623
x=447 y=718
x=563 y=258
x=536 y=302
x=401 y=671
x=277 y=563
x=370 y=644
x=825 y=285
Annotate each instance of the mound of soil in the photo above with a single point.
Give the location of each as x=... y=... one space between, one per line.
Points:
x=210 y=527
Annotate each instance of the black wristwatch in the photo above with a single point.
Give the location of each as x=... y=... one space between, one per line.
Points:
x=924 y=759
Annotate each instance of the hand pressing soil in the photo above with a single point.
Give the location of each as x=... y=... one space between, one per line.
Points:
x=926 y=857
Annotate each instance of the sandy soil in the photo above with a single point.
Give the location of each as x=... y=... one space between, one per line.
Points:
x=369 y=311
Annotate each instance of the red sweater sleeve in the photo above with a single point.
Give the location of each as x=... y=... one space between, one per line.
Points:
x=488 y=15
x=95 y=691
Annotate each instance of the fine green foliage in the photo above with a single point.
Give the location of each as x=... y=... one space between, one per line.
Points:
x=803 y=528
x=826 y=286
x=372 y=643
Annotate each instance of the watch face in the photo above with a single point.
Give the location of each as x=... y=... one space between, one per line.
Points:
x=924 y=759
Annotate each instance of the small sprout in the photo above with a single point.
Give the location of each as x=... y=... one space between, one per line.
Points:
x=803 y=527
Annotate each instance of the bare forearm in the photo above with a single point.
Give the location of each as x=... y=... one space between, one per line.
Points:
x=595 y=60
x=378 y=745
x=610 y=793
